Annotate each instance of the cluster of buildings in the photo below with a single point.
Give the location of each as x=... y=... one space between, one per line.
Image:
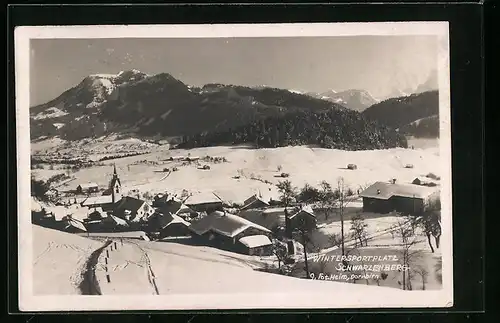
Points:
x=205 y=219
x=202 y=218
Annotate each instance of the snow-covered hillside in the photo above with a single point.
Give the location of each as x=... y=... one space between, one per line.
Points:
x=59 y=261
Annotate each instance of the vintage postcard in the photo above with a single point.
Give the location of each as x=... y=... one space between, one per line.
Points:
x=254 y=166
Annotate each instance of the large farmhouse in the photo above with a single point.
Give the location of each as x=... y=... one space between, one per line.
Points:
x=133 y=210
x=224 y=230
x=204 y=202
x=406 y=198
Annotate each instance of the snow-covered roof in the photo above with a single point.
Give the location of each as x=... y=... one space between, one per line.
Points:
x=202 y=198
x=224 y=223
x=59 y=212
x=384 y=191
x=35 y=205
x=117 y=220
x=88 y=185
x=97 y=200
x=253 y=199
x=256 y=241
x=165 y=220
x=305 y=209
x=74 y=223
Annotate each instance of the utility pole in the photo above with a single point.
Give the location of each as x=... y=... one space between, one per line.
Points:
x=342 y=218
x=305 y=252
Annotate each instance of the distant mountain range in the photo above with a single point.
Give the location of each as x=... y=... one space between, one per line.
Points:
x=357 y=100
x=161 y=106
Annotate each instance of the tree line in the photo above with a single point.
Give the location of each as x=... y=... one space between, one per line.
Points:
x=336 y=129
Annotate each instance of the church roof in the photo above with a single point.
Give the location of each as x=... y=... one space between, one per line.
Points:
x=115 y=178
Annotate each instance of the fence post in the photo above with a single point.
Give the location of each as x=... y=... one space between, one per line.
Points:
x=108 y=278
x=106 y=260
x=115 y=245
x=107 y=253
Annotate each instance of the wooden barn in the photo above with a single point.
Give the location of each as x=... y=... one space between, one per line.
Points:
x=384 y=197
x=304 y=218
x=86 y=188
x=257 y=245
x=224 y=230
x=254 y=202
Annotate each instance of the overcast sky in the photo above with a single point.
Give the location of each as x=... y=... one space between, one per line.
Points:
x=379 y=64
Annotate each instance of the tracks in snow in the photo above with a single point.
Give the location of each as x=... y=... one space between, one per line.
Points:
x=150 y=272
x=90 y=284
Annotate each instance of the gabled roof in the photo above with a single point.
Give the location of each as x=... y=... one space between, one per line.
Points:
x=97 y=200
x=306 y=209
x=256 y=241
x=69 y=222
x=384 y=191
x=252 y=200
x=116 y=220
x=202 y=198
x=164 y=220
x=223 y=223
x=88 y=185
x=174 y=207
x=129 y=203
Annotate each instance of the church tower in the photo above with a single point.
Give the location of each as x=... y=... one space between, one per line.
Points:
x=115 y=186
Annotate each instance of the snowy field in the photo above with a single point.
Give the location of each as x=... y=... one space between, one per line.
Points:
x=179 y=269
x=249 y=171
x=150 y=268
x=58 y=261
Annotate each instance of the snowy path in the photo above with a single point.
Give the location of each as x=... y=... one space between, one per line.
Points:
x=89 y=284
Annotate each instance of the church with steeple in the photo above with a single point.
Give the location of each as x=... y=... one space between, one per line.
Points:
x=115 y=186
x=109 y=198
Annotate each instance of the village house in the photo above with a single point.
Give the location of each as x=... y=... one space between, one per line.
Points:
x=254 y=202
x=71 y=225
x=274 y=218
x=87 y=188
x=303 y=218
x=224 y=230
x=132 y=209
x=204 y=202
x=384 y=197
x=168 y=225
x=257 y=245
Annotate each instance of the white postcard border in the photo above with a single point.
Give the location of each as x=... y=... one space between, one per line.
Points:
x=379 y=298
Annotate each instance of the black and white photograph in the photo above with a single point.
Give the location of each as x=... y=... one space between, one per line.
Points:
x=259 y=166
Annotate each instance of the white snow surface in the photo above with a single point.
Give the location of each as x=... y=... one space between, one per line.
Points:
x=58 y=261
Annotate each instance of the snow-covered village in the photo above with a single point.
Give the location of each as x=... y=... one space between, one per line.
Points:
x=149 y=180
x=261 y=222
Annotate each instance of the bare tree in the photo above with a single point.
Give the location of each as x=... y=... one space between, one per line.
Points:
x=302 y=235
x=358 y=228
x=184 y=194
x=423 y=273
x=287 y=195
x=342 y=202
x=279 y=250
x=326 y=197
x=405 y=231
